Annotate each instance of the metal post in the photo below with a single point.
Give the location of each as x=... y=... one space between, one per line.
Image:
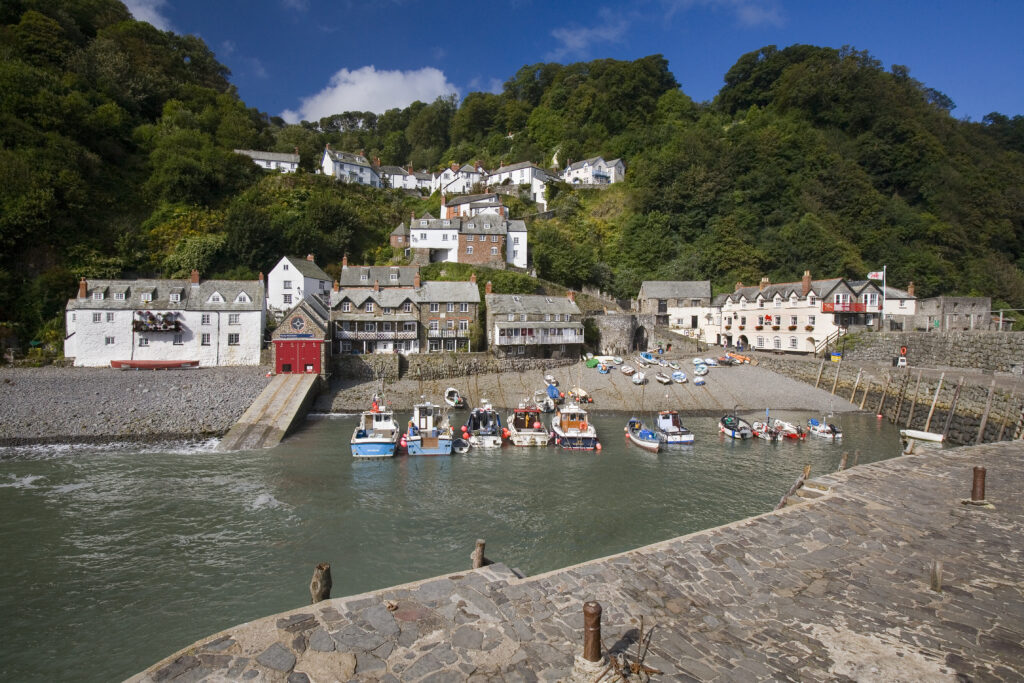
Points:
x=978 y=486
x=592 y=631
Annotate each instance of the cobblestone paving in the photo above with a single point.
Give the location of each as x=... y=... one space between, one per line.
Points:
x=837 y=588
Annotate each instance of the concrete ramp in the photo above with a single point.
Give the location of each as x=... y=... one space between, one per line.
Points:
x=273 y=414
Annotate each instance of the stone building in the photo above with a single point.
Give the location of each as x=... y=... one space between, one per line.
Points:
x=533 y=325
x=486 y=239
x=949 y=313
x=302 y=342
x=676 y=304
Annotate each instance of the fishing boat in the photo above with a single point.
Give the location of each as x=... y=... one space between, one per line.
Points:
x=376 y=435
x=640 y=435
x=572 y=429
x=698 y=361
x=580 y=395
x=826 y=429
x=627 y=370
x=700 y=370
x=763 y=430
x=640 y=362
x=525 y=427
x=483 y=427
x=662 y=362
x=788 y=430
x=679 y=377
x=671 y=430
x=663 y=378
x=735 y=427
x=617 y=360
x=639 y=378
x=544 y=402
x=648 y=356
x=453 y=398
x=429 y=432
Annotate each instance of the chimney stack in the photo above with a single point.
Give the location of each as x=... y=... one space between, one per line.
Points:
x=455 y=166
x=910 y=288
x=296 y=151
x=806 y=283
x=261 y=276
x=344 y=261
x=739 y=286
x=309 y=257
x=376 y=161
x=472 y=278
x=571 y=295
x=195 y=277
x=337 y=286
x=376 y=285
x=328 y=146
x=487 y=287
x=409 y=169
x=764 y=283
x=83 y=289
x=416 y=280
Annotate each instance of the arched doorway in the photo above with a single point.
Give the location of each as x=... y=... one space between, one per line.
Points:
x=742 y=342
x=640 y=339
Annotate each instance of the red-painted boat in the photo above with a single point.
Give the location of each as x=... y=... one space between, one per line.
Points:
x=153 y=364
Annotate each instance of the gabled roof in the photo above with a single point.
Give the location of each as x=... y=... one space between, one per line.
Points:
x=517 y=166
x=393 y=170
x=503 y=304
x=269 y=156
x=348 y=158
x=391 y=297
x=307 y=268
x=783 y=289
x=313 y=307
x=193 y=298
x=352 y=276
x=665 y=289
x=455 y=291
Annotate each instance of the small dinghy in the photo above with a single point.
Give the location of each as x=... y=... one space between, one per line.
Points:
x=663 y=378
x=639 y=378
x=735 y=427
x=453 y=398
x=825 y=429
x=679 y=377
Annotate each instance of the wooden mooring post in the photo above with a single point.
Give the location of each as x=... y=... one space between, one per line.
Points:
x=821 y=368
x=592 y=631
x=984 y=415
x=478 y=554
x=856 y=384
x=867 y=388
x=952 y=408
x=794 y=488
x=885 y=391
x=913 y=404
x=935 y=399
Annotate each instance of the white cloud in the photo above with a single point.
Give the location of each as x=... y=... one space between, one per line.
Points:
x=151 y=11
x=367 y=89
x=747 y=12
x=580 y=42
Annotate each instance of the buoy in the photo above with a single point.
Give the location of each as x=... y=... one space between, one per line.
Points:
x=879 y=416
x=558 y=442
x=536 y=425
x=504 y=432
x=598 y=445
x=561 y=394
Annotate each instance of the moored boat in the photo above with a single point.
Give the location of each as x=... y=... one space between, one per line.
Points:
x=580 y=395
x=554 y=394
x=671 y=430
x=699 y=381
x=483 y=427
x=627 y=370
x=525 y=427
x=639 y=378
x=788 y=430
x=679 y=377
x=825 y=429
x=573 y=430
x=735 y=427
x=763 y=430
x=921 y=436
x=640 y=435
x=550 y=380
x=453 y=398
x=663 y=378
x=376 y=435
x=429 y=432
x=543 y=401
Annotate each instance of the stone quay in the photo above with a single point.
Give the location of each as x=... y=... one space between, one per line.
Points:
x=883 y=572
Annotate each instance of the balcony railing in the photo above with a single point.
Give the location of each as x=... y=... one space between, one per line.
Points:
x=378 y=335
x=856 y=307
x=154 y=326
x=448 y=334
x=528 y=340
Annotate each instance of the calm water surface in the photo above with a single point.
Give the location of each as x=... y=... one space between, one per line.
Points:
x=115 y=556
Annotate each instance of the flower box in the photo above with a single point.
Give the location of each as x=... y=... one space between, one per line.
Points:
x=775 y=327
x=728 y=327
x=792 y=327
x=758 y=327
x=742 y=327
x=809 y=328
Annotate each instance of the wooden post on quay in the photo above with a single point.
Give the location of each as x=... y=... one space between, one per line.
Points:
x=935 y=399
x=320 y=585
x=856 y=384
x=952 y=408
x=903 y=395
x=821 y=369
x=978 y=485
x=842 y=463
x=835 y=382
x=793 y=489
x=913 y=404
x=935 y=576
x=856 y=457
x=867 y=388
x=885 y=389
x=478 y=555
x=984 y=415
x=592 y=631
x=1006 y=415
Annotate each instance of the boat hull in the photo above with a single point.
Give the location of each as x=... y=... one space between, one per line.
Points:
x=484 y=441
x=415 y=446
x=651 y=446
x=373 y=448
x=921 y=436
x=576 y=442
x=677 y=439
x=531 y=438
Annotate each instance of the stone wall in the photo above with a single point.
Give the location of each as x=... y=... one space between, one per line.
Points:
x=368 y=366
x=897 y=396
x=436 y=366
x=997 y=351
x=619 y=333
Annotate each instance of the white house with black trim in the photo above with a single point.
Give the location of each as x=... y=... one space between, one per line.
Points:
x=349 y=168
x=595 y=171
x=294 y=278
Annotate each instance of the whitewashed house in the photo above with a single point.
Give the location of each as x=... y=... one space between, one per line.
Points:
x=595 y=171
x=212 y=322
x=398 y=178
x=273 y=161
x=486 y=238
x=459 y=179
x=349 y=168
x=469 y=205
x=293 y=278
x=524 y=173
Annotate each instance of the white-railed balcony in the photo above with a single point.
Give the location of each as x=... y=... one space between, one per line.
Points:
x=448 y=334
x=377 y=335
x=539 y=339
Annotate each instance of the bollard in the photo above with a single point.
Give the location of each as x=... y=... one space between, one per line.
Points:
x=592 y=631
x=320 y=584
x=935 y=576
x=978 y=487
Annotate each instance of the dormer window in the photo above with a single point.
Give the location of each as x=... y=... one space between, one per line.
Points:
x=174 y=298
x=487 y=226
x=423 y=224
x=216 y=298
x=812 y=300
x=369 y=307
x=146 y=296
x=97 y=296
x=242 y=298
x=346 y=306
x=364 y=277
x=446 y=222
x=120 y=296
x=394 y=277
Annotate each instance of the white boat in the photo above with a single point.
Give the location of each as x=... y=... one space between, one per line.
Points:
x=525 y=427
x=710 y=362
x=543 y=401
x=698 y=361
x=429 y=432
x=627 y=370
x=663 y=378
x=673 y=365
x=700 y=370
x=580 y=395
x=763 y=430
x=483 y=427
x=376 y=435
x=699 y=381
x=639 y=378
x=921 y=436
x=641 y=436
x=826 y=429
x=639 y=362
x=453 y=398
x=550 y=380
x=671 y=430
x=573 y=430
x=735 y=427
x=679 y=377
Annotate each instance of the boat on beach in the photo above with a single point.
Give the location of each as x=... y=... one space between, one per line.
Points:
x=639 y=378
x=671 y=430
x=663 y=378
x=550 y=380
x=543 y=401
x=679 y=377
x=641 y=436
x=429 y=432
x=483 y=427
x=376 y=435
x=572 y=429
x=580 y=395
x=735 y=427
x=627 y=370
x=525 y=427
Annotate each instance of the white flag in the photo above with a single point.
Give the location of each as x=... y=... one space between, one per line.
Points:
x=876 y=275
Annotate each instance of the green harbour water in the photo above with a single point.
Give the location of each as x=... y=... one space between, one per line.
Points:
x=116 y=556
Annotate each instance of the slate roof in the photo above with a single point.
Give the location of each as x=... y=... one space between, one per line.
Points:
x=503 y=304
x=393 y=170
x=784 y=289
x=456 y=291
x=269 y=156
x=351 y=276
x=592 y=161
x=664 y=289
x=348 y=158
x=435 y=291
x=192 y=298
x=473 y=198
x=308 y=268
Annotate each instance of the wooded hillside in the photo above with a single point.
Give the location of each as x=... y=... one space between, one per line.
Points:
x=116 y=159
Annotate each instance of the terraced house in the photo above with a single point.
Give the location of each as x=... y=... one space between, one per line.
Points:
x=533 y=325
x=487 y=239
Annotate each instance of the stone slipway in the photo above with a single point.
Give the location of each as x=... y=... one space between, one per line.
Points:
x=836 y=588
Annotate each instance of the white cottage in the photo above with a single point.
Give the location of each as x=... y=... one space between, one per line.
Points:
x=292 y=279
x=349 y=168
x=273 y=161
x=595 y=171
x=524 y=173
x=214 y=322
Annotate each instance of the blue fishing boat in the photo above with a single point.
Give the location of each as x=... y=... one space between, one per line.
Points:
x=429 y=432
x=376 y=435
x=572 y=429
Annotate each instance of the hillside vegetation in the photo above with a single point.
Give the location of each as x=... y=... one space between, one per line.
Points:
x=116 y=159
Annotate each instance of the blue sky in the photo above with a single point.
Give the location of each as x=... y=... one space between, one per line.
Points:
x=310 y=58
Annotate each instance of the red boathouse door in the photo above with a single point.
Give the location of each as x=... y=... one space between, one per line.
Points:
x=297 y=356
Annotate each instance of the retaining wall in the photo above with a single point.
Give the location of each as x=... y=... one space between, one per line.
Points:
x=431 y=366
x=997 y=351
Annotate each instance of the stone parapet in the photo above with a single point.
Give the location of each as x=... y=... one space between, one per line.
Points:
x=983 y=350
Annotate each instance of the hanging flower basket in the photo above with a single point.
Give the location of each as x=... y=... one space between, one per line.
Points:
x=809 y=328
x=775 y=327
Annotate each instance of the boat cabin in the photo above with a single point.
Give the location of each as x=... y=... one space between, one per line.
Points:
x=668 y=421
x=526 y=418
x=572 y=419
x=380 y=421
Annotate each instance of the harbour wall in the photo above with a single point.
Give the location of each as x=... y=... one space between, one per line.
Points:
x=984 y=350
x=437 y=366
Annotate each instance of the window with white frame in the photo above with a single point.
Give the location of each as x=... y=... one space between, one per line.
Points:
x=204 y=339
x=205 y=319
x=470 y=238
x=511 y=317
x=386 y=310
x=143 y=341
x=407 y=307
x=777 y=342
x=450 y=324
x=175 y=298
x=444 y=237
x=369 y=307
x=109 y=341
x=435 y=308
x=385 y=327
x=515 y=240
x=469 y=248
x=287 y=284
x=494 y=238
x=97 y=317
x=233 y=318
x=778 y=302
x=364 y=277
x=451 y=307
x=284 y=266
x=146 y=296
x=434 y=325
x=346 y=306
x=216 y=298
x=463 y=325
x=120 y=296
x=494 y=251
x=522 y=317
x=812 y=300
x=760 y=342
x=408 y=327
x=810 y=320
x=792 y=320
x=520 y=350
x=792 y=342
x=369 y=327
x=97 y=296
x=464 y=307
x=394 y=277
x=110 y=316
x=233 y=339
x=286 y=298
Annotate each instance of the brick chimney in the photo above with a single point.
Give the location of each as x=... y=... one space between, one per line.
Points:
x=195 y=277
x=344 y=261
x=261 y=276
x=83 y=289
x=328 y=146
x=571 y=295
x=806 y=283
x=472 y=278
x=309 y=257
x=376 y=285
x=910 y=288
x=296 y=151
x=487 y=287
x=412 y=217
x=764 y=283
x=739 y=286
x=376 y=161
x=416 y=280
x=409 y=169
x=455 y=166
x=337 y=286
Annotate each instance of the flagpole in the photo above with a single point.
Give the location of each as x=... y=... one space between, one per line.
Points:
x=882 y=318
